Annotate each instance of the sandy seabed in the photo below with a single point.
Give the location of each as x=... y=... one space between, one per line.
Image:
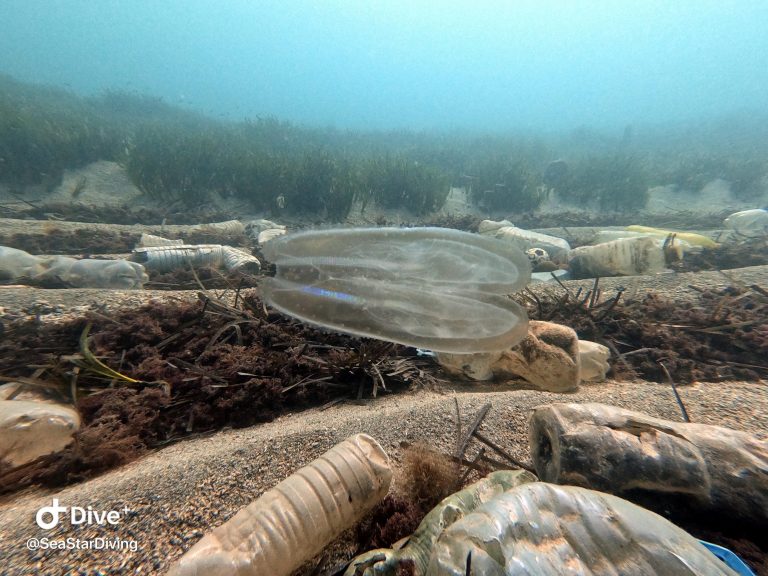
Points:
x=179 y=493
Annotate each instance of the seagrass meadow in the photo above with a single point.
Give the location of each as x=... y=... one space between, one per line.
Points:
x=176 y=155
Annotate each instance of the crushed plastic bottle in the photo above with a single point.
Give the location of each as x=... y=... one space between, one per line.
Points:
x=749 y=223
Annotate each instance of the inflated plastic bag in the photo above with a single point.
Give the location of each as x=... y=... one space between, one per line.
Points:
x=94 y=273
x=17 y=265
x=550 y=530
x=432 y=288
x=62 y=271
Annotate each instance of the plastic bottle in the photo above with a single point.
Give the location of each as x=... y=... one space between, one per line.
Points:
x=625 y=257
x=749 y=223
x=296 y=519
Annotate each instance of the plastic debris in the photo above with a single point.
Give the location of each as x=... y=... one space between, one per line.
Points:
x=168 y=258
x=95 y=273
x=267 y=235
x=625 y=257
x=17 y=266
x=749 y=223
x=149 y=240
x=710 y=468
x=537 y=256
x=593 y=361
x=296 y=519
x=264 y=230
x=603 y=236
x=730 y=558
x=229 y=227
x=690 y=237
x=549 y=530
x=548 y=357
x=433 y=288
x=30 y=429
x=508 y=524
x=557 y=248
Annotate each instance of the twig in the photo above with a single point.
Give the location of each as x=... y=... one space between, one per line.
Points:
x=73 y=384
x=742 y=365
x=677 y=396
x=479 y=417
x=195 y=369
x=620 y=356
x=633 y=352
x=501 y=452
x=377 y=379
x=458 y=427
x=475 y=461
x=306 y=381
x=496 y=464
x=235 y=324
x=595 y=293
x=331 y=404
x=563 y=286
x=536 y=299
x=582 y=303
x=611 y=304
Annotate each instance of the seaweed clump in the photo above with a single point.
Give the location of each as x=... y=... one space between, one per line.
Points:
x=426 y=478
x=194 y=369
x=720 y=335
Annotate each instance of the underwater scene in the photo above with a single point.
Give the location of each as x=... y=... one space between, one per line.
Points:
x=383 y=288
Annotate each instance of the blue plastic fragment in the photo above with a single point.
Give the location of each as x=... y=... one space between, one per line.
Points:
x=730 y=558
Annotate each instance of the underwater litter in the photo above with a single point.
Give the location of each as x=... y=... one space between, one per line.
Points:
x=204 y=366
x=197 y=368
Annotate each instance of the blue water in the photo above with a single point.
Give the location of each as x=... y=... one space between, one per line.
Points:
x=483 y=65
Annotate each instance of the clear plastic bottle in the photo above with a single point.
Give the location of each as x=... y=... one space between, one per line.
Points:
x=749 y=223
